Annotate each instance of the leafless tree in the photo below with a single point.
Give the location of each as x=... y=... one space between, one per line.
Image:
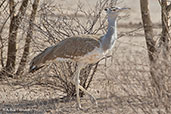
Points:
x=165 y=36
x=29 y=36
x=159 y=76
x=16 y=15
x=15 y=21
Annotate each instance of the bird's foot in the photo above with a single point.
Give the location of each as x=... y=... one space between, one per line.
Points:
x=93 y=100
x=80 y=108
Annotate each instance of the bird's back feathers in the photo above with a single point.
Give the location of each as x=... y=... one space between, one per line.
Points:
x=70 y=48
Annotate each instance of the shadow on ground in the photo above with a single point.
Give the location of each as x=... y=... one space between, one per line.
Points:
x=114 y=104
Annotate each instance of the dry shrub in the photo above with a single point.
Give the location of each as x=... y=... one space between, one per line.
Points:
x=129 y=83
x=55 y=25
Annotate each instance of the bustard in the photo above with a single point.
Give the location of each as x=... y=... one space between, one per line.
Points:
x=82 y=49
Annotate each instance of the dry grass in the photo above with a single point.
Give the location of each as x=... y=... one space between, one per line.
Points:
x=121 y=87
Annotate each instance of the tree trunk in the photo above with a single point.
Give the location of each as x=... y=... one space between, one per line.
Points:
x=28 y=39
x=164 y=50
x=157 y=79
x=14 y=24
x=148 y=29
x=11 y=5
x=164 y=39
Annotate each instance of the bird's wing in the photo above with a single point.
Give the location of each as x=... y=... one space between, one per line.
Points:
x=69 y=48
x=72 y=48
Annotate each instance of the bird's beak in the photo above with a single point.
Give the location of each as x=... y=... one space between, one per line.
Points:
x=122 y=9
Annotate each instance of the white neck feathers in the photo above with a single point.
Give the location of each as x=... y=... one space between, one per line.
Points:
x=110 y=37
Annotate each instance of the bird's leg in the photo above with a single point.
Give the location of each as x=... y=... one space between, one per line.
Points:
x=76 y=78
x=92 y=98
x=78 y=86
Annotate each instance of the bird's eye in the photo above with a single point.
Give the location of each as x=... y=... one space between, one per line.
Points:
x=114 y=10
x=105 y=9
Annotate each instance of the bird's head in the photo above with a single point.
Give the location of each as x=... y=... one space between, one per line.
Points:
x=113 y=12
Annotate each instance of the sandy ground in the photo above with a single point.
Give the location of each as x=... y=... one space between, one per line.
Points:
x=107 y=85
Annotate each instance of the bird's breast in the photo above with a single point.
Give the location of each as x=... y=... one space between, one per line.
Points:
x=92 y=57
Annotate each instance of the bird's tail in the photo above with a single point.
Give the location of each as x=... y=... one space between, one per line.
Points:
x=34 y=68
x=39 y=61
x=36 y=63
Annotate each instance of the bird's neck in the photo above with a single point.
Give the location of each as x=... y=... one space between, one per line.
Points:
x=111 y=35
